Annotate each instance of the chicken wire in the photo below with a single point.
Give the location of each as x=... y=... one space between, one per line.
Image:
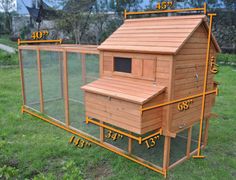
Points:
x=31 y=84
x=52 y=75
x=80 y=73
x=76 y=79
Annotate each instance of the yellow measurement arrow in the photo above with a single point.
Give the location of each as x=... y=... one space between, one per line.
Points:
x=199 y=156
x=38 y=41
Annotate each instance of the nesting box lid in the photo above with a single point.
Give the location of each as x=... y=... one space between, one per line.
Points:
x=164 y=35
x=125 y=89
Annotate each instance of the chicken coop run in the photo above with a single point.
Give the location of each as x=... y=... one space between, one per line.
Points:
x=132 y=84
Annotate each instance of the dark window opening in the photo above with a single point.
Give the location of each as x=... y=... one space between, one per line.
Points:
x=122 y=64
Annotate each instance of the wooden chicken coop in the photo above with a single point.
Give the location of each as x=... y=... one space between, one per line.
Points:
x=148 y=84
x=147 y=62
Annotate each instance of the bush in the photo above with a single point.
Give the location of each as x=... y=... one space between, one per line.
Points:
x=7 y=59
x=226 y=58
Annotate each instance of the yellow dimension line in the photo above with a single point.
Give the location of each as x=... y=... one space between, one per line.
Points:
x=204 y=9
x=95 y=142
x=139 y=139
x=38 y=41
x=204 y=88
x=179 y=100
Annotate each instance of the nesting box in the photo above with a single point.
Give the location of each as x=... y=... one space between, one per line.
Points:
x=147 y=62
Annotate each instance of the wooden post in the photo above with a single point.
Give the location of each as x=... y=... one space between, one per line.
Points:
x=66 y=94
x=101 y=133
x=205 y=139
x=83 y=68
x=40 y=81
x=130 y=142
x=61 y=75
x=166 y=156
x=189 y=142
x=22 y=77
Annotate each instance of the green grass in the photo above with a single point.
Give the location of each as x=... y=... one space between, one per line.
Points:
x=7 y=59
x=31 y=148
x=4 y=39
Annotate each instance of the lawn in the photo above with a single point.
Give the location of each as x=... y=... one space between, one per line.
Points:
x=4 y=39
x=32 y=149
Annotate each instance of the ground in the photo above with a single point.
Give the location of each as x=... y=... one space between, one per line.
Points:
x=30 y=148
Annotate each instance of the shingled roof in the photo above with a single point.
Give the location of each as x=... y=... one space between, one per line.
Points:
x=155 y=35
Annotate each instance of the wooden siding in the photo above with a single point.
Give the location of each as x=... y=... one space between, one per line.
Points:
x=143 y=65
x=189 y=79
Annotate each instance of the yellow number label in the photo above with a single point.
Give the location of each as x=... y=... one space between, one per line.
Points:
x=39 y=35
x=164 y=5
x=185 y=105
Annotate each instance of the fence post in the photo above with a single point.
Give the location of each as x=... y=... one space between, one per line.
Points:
x=22 y=76
x=40 y=81
x=66 y=94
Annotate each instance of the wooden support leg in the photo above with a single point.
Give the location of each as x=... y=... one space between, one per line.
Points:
x=101 y=133
x=206 y=133
x=189 y=142
x=166 y=157
x=130 y=145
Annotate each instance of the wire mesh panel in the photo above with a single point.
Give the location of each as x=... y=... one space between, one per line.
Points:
x=195 y=136
x=78 y=68
x=92 y=67
x=150 y=150
x=116 y=139
x=178 y=146
x=31 y=83
x=52 y=82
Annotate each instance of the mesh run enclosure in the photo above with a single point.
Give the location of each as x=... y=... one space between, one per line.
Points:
x=52 y=77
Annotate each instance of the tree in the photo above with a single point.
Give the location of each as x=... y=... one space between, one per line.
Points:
x=74 y=17
x=120 y=5
x=7 y=6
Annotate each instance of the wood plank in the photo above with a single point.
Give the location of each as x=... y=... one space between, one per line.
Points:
x=124 y=86
x=137 y=67
x=106 y=108
x=121 y=89
x=118 y=124
x=150 y=128
x=147 y=43
x=130 y=55
x=123 y=96
x=40 y=81
x=149 y=69
x=127 y=107
x=166 y=155
x=146 y=39
x=66 y=92
x=189 y=140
